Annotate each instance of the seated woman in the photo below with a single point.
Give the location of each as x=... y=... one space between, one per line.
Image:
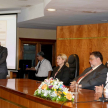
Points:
x=62 y=72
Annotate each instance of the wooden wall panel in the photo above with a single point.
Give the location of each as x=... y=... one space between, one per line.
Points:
x=5 y=104
x=81 y=40
x=14 y=100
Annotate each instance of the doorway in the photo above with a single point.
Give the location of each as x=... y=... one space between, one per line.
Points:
x=28 y=49
x=47 y=49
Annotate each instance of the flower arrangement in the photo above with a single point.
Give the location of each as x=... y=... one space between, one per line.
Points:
x=54 y=90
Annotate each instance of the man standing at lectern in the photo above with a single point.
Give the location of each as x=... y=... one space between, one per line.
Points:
x=94 y=75
x=3 y=64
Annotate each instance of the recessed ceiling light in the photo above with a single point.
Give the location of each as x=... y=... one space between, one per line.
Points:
x=50 y=9
x=104 y=20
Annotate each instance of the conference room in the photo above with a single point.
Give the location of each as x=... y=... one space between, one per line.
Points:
x=54 y=54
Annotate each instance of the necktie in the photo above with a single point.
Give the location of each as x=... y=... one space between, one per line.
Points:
x=38 y=67
x=80 y=78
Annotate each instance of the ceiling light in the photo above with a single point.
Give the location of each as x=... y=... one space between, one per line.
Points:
x=104 y=20
x=51 y=9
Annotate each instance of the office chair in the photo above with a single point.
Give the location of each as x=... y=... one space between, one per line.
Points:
x=73 y=61
x=106 y=64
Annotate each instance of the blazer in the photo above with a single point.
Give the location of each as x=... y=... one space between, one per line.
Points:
x=63 y=74
x=95 y=78
x=3 y=64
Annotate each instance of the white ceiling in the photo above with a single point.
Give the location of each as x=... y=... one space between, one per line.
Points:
x=34 y=13
x=17 y=4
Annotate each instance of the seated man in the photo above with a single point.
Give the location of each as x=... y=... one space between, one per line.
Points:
x=94 y=75
x=101 y=88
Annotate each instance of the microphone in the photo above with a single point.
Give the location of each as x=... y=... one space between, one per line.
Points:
x=103 y=99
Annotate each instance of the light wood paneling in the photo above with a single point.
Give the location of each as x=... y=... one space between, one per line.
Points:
x=5 y=104
x=81 y=40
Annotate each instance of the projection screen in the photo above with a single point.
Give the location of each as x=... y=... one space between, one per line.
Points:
x=8 y=38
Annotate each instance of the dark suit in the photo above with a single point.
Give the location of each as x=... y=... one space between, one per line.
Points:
x=95 y=78
x=3 y=65
x=63 y=74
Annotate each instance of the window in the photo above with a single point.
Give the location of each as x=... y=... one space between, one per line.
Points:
x=29 y=53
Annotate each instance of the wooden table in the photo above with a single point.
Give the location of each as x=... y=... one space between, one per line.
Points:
x=13 y=74
x=19 y=93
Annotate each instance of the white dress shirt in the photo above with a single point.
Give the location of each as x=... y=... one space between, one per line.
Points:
x=106 y=87
x=44 y=68
x=96 y=67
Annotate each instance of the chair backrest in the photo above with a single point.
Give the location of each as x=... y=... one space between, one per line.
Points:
x=73 y=61
x=106 y=64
